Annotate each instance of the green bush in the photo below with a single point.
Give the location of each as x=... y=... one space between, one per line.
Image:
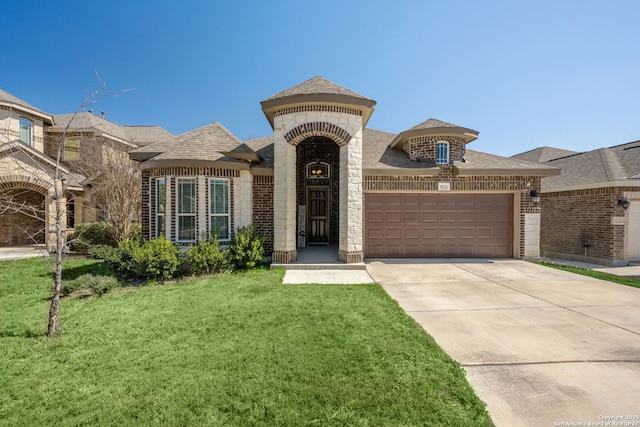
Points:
x=152 y=259
x=99 y=285
x=102 y=251
x=245 y=250
x=92 y=233
x=206 y=257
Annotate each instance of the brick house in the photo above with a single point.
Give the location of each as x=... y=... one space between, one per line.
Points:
x=29 y=142
x=591 y=211
x=324 y=178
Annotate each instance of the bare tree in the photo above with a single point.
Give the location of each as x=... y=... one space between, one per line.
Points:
x=115 y=181
x=55 y=214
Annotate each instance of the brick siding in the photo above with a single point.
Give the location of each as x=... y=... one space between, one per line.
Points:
x=263 y=209
x=571 y=219
x=424 y=147
x=325 y=150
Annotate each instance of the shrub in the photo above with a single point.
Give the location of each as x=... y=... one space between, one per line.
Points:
x=102 y=251
x=99 y=285
x=152 y=259
x=90 y=234
x=245 y=250
x=206 y=257
x=156 y=259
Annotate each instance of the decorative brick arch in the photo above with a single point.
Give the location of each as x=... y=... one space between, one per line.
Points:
x=15 y=181
x=329 y=130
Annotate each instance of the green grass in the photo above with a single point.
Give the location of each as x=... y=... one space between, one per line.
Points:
x=228 y=350
x=628 y=281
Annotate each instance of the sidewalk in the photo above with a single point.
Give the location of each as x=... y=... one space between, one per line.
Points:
x=632 y=270
x=18 y=252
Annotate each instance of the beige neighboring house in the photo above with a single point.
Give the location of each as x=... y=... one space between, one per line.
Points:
x=324 y=178
x=591 y=211
x=29 y=141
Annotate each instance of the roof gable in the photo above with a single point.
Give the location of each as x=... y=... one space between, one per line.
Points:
x=543 y=154
x=596 y=168
x=12 y=101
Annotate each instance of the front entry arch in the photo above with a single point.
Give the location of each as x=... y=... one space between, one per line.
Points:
x=318 y=175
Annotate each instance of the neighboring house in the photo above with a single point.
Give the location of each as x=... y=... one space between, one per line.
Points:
x=29 y=142
x=591 y=211
x=323 y=178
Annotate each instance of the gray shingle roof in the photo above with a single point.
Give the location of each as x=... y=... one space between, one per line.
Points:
x=145 y=135
x=434 y=123
x=205 y=143
x=378 y=155
x=543 y=154
x=89 y=122
x=8 y=99
x=315 y=85
x=617 y=163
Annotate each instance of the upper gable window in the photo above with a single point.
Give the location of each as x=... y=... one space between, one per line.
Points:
x=442 y=153
x=26 y=131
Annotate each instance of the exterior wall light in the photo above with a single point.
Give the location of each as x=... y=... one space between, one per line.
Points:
x=625 y=203
x=535 y=196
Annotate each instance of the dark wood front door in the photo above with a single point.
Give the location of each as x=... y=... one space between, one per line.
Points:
x=318 y=215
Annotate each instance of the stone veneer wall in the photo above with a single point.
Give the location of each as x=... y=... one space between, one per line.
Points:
x=424 y=147
x=325 y=150
x=519 y=185
x=292 y=125
x=263 y=209
x=10 y=126
x=571 y=219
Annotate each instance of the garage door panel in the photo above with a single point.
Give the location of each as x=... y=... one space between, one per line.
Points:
x=411 y=216
x=438 y=225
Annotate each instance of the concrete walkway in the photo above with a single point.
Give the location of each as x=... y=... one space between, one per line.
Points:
x=19 y=252
x=540 y=346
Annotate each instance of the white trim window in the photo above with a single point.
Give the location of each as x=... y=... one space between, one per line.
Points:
x=442 y=153
x=161 y=199
x=26 y=131
x=186 y=209
x=219 y=209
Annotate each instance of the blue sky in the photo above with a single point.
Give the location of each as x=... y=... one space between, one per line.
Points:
x=563 y=73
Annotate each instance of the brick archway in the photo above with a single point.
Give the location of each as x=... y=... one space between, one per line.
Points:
x=307 y=130
x=24 y=203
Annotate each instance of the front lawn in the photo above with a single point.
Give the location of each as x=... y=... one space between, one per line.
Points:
x=628 y=281
x=227 y=350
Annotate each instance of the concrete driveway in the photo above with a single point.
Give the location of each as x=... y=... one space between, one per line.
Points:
x=541 y=347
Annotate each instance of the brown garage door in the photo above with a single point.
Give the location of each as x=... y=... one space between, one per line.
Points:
x=438 y=225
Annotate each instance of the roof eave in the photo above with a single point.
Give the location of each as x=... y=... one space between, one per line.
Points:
x=590 y=185
x=403 y=137
x=42 y=115
x=365 y=105
x=471 y=171
x=433 y=171
x=160 y=163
